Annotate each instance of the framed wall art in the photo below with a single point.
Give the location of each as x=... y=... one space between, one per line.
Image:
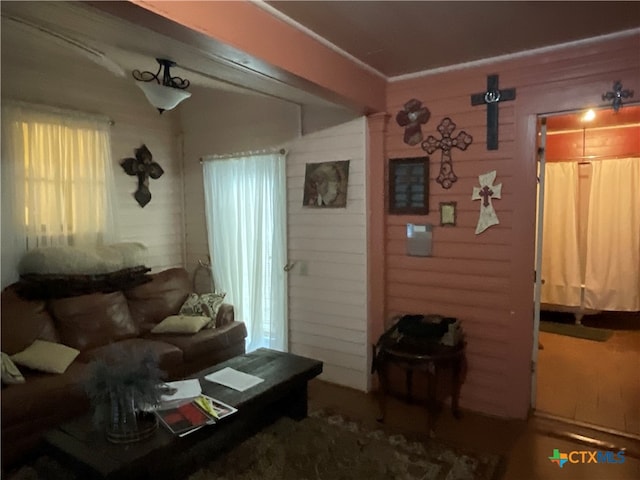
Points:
x=325 y=184
x=409 y=186
x=448 y=214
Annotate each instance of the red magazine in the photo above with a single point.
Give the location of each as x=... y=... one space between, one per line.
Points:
x=184 y=418
x=189 y=417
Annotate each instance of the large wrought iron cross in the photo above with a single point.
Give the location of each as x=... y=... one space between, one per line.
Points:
x=491 y=98
x=446 y=177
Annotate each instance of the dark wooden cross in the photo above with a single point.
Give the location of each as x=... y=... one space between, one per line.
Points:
x=486 y=194
x=491 y=98
x=446 y=177
x=143 y=167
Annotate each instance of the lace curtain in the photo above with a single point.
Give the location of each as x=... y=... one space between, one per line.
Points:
x=57 y=181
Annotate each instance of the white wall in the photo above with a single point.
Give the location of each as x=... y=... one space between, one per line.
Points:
x=38 y=73
x=328 y=285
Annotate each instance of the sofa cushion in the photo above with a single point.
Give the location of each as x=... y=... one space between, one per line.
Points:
x=46 y=357
x=43 y=394
x=188 y=324
x=23 y=322
x=90 y=321
x=162 y=296
x=168 y=355
x=205 y=341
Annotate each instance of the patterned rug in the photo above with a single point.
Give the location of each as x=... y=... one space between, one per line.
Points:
x=322 y=447
x=325 y=447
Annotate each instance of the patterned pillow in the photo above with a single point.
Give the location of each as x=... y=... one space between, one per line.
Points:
x=10 y=373
x=206 y=304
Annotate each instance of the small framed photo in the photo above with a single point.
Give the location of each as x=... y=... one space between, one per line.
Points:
x=448 y=214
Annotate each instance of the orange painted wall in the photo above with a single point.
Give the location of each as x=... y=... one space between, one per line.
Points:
x=570 y=145
x=486 y=280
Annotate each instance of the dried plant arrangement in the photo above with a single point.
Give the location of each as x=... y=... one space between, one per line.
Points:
x=122 y=387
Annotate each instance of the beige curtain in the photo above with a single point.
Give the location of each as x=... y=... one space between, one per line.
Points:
x=613 y=243
x=57 y=181
x=561 y=278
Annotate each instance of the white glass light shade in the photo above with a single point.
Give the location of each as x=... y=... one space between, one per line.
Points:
x=164 y=98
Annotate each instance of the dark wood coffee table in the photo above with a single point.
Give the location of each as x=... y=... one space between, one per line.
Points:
x=85 y=451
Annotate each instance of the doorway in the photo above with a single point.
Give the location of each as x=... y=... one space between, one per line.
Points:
x=245 y=198
x=587 y=306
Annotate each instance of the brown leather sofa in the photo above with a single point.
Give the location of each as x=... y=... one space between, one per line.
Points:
x=91 y=323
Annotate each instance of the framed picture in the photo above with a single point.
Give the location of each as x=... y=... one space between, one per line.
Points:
x=448 y=213
x=325 y=184
x=409 y=186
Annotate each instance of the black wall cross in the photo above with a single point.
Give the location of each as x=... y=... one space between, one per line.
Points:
x=143 y=167
x=491 y=97
x=617 y=95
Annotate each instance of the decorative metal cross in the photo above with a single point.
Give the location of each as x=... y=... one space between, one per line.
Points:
x=144 y=167
x=446 y=177
x=486 y=192
x=617 y=95
x=491 y=98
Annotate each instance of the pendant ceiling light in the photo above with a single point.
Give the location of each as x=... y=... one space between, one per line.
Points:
x=165 y=92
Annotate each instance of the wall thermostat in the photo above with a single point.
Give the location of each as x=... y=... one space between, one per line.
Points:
x=419 y=240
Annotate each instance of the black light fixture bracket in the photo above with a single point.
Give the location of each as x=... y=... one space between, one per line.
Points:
x=167 y=79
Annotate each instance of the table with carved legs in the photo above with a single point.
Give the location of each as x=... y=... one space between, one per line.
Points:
x=422 y=356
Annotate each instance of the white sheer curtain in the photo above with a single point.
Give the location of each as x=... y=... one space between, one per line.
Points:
x=57 y=181
x=613 y=243
x=246 y=224
x=561 y=272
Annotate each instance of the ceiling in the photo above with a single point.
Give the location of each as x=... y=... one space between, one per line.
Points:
x=402 y=37
x=391 y=37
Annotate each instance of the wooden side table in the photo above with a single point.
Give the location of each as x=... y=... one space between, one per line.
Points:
x=416 y=355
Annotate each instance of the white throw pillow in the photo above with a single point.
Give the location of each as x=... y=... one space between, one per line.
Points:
x=46 y=356
x=10 y=373
x=181 y=324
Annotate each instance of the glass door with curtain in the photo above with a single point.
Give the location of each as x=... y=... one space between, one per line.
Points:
x=245 y=200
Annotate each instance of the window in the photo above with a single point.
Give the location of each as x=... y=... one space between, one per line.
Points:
x=57 y=177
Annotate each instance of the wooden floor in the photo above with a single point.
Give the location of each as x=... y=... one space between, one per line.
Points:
x=525 y=445
x=592 y=382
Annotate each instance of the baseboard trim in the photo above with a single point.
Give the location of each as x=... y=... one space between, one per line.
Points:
x=588 y=434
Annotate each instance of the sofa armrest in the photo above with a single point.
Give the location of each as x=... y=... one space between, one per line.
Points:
x=225 y=316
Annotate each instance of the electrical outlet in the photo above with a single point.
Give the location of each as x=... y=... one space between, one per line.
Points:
x=304 y=269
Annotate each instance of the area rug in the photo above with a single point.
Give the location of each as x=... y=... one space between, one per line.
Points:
x=325 y=447
x=578 y=331
x=322 y=447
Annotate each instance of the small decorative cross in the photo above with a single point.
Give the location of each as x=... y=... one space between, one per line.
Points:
x=411 y=117
x=446 y=177
x=617 y=95
x=144 y=167
x=486 y=192
x=491 y=98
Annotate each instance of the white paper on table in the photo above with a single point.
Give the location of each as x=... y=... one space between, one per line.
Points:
x=186 y=389
x=234 y=379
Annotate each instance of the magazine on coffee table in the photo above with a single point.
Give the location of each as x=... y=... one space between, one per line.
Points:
x=193 y=415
